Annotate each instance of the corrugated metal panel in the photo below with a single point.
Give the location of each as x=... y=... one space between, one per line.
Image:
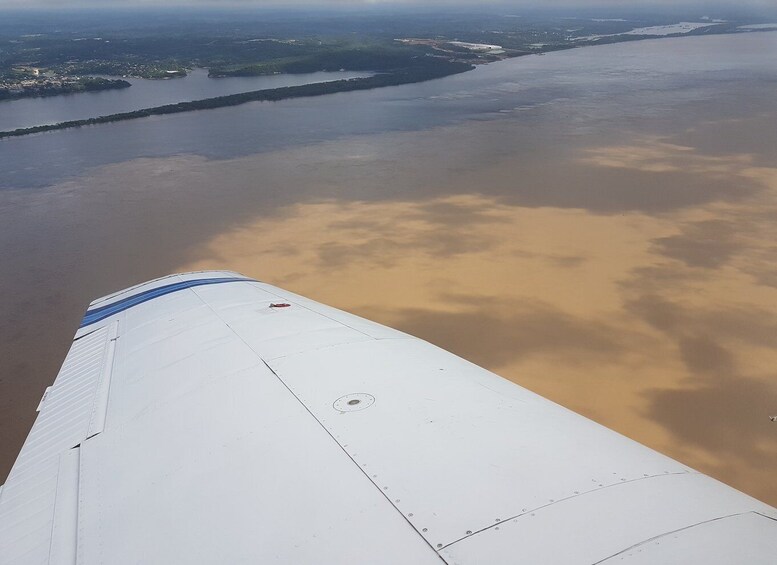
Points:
x=64 y=530
x=100 y=404
x=28 y=500
x=26 y=511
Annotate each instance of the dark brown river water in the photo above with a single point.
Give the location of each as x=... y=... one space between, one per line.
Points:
x=597 y=225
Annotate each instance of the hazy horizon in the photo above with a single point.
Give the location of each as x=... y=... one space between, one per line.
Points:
x=667 y=6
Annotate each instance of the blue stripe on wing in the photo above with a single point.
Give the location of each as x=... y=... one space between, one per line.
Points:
x=97 y=314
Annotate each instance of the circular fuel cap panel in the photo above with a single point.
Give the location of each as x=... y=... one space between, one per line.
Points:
x=354 y=402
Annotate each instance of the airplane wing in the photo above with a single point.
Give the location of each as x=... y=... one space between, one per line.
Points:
x=210 y=418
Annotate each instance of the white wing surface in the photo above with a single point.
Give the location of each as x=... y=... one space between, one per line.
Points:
x=210 y=418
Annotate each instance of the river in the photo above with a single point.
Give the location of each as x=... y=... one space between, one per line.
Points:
x=596 y=224
x=144 y=93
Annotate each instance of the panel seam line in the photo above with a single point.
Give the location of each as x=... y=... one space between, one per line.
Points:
x=304 y=406
x=530 y=510
x=643 y=542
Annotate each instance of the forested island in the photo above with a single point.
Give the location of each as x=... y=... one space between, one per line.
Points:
x=418 y=73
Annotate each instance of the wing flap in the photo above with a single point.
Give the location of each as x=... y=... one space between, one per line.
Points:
x=30 y=494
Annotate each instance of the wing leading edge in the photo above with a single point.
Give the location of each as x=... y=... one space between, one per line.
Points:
x=194 y=422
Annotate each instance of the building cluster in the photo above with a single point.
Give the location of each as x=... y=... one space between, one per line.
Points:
x=15 y=86
x=25 y=83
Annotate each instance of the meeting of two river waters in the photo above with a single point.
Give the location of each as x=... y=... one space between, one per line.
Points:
x=596 y=223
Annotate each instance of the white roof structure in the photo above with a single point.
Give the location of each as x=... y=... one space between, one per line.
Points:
x=210 y=418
